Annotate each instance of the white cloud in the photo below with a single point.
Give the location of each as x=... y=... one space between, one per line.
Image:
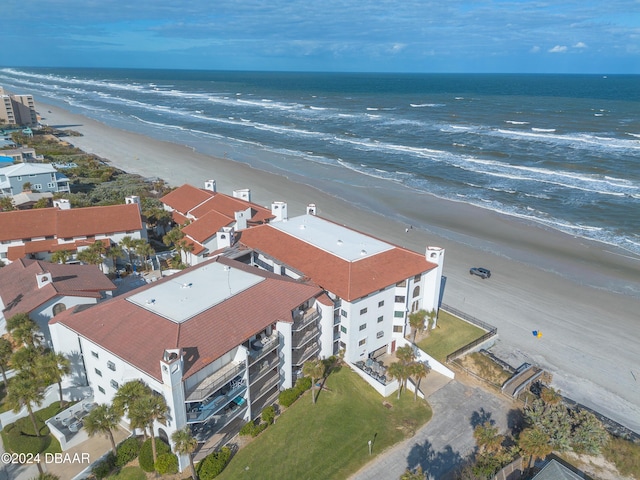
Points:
x=580 y=45
x=535 y=49
x=558 y=49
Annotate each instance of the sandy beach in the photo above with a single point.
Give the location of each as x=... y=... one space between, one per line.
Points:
x=541 y=279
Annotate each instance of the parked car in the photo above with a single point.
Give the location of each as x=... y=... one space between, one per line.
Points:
x=481 y=272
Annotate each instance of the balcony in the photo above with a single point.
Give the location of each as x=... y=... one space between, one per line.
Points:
x=214 y=381
x=265 y=385
x=302 y=319
x=260 y=369
x=204 y=411
x=260 y=348
x=302 y=355
x=299 y=339
x=205 y=431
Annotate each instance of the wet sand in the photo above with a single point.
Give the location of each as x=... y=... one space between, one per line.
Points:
x=541 y=279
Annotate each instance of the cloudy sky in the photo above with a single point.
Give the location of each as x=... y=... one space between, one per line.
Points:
x=563 y=36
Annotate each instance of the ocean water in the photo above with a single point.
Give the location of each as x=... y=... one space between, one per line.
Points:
x=559 y=150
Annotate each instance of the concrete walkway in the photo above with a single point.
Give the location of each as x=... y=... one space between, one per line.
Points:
x=443 y=444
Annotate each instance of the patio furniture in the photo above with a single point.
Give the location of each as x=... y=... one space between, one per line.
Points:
x=76 y=426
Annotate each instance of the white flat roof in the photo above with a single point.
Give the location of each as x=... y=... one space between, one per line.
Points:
x=181 y=298
x=330 y=237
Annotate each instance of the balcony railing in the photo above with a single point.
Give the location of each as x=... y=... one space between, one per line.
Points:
x=204 y=432
x=300 y=321
x=263 y=387
x=215 y=405
x=299 y=339
x=260 y=348
x=301 y=356
x=215 y=381
x=258 y=370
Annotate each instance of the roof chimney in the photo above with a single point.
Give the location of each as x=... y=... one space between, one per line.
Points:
x=225 y=237
x=133 y=199
x=62 y=204
x=243 y=194
x=210 y=185
x=279 y=210
x=43 y=279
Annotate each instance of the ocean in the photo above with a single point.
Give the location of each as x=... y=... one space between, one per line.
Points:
x=559 y=150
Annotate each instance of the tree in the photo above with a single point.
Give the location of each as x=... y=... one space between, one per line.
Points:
x=129 y=244
x=103 y=419
x=432 y=316
x=418 y=474
x=589 y=436
x=416 y=322
x=115 y=252
x=23 y=329
x=406 y=354
x=42 y=203
x=25 y=390
x=60 y=256
x=53 y=367
x=550 y=395
x=487 y=438
x=186 y=444
x=6 y=351
x=418 y=370
x=89 y=256
x=146 y=410
x=315 y=369
x=552 y=419
x=144 y=250
x=26 y=358
x=400 y=372
x=6 y=204
x=535 y=444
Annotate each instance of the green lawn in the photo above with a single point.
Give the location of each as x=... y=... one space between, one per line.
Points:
x=130 y=473
x=328 y=440
x=19 y=437
x=450 y=335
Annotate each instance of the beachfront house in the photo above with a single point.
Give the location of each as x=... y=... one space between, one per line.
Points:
x=211 y=218
x=218 y=340
x=22 y=154
x=39 y=177
x=17 y=109
x=42 y=290
x=373 y=285
x=41 y=232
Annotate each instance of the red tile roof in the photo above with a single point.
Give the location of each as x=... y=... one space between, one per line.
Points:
x=19 y=289
x=348 y=280
x=139 y=336
x=185 y=198
x=19 y=251
x=207 y=226
x=75 y=222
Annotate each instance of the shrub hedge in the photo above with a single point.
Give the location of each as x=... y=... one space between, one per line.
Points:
x=127 y=451
x=146 y=453
x=166 y=464
x=213 y=464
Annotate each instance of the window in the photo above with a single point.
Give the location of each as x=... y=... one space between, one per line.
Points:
x=381 y=303
x=417 y=278
x=58 y=308
x=114 y=384
x=363 y=311
x=403 y=283
x=343 y=329
x=380 y=318
x=380 y=334
x=398 y=314
x=343 y=313
x=363 y=326
x=362 y=342
x=98 y=372
x=399 y=298
x=111 y=366
x=94 y=354
x=100 y=389
x=37 y=186
x=416 y=292
x=397 y=329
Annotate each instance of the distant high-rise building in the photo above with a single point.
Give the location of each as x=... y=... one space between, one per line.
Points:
x=17 y=109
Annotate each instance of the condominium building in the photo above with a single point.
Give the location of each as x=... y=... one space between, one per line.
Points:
x=218 y=341
x=17 y=109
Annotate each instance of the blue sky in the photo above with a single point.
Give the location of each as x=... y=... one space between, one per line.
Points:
x=545 y=36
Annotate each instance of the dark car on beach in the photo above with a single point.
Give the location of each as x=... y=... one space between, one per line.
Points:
x=481 y=272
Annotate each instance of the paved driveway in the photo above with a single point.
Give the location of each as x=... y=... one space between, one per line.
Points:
x=446 y=441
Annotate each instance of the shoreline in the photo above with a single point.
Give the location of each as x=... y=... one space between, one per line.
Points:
x=538 y=273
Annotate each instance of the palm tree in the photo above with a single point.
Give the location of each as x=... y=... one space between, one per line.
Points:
x=315 y=369
x=127 y=394
x=26 y=358
x=400 y=372
x=60 y=256
x=25 y=390
x=53 y=367
x=90 y=257
x=102 y=419
x=23 y=329
x=432 y=315
x=487 y=438
x=186 y=444
x=115 y=252
x=6 y=351
x=144 y=250
x=535 y=444
x=146 y=410
x=129 y=244
x=418 y=371
x=416 y=322
x=406 y=354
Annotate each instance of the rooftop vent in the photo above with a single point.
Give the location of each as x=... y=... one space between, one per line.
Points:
x=363 y=252
x=339 y=242
x=151 y=301
x=186 y=285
